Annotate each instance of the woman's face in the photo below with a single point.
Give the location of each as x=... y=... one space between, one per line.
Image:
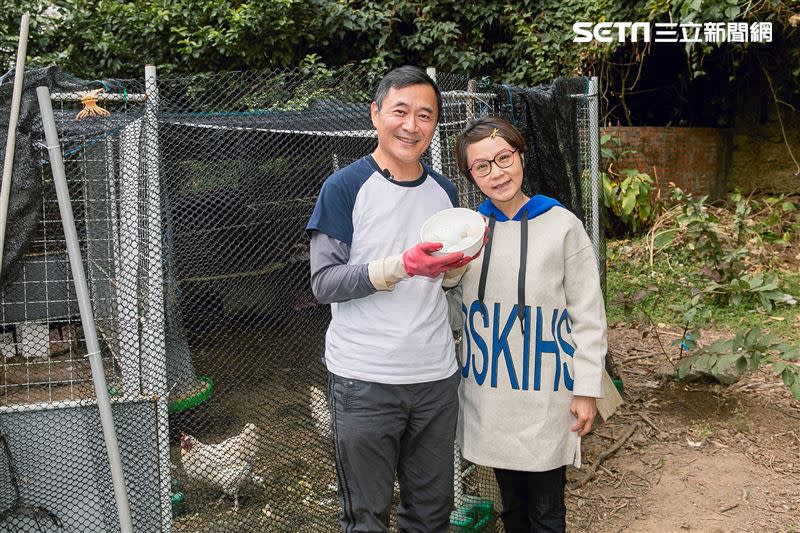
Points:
x=502 y=185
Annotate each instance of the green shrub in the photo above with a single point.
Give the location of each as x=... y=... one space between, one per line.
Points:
x=629 y=195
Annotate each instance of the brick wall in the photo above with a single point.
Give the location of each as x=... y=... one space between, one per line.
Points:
x=693 y=158
x=761 y=159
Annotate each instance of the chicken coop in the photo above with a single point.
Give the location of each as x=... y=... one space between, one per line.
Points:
x=190 y=199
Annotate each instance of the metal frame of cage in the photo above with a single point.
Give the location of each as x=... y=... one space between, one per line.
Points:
x=127 y=253
x=45 y=296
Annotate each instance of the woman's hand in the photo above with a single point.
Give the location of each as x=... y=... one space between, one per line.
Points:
x=585 y=409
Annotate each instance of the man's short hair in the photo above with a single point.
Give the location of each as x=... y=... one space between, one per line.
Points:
x=404 y=77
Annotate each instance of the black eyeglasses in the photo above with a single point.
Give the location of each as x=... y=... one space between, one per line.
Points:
x=482 y=167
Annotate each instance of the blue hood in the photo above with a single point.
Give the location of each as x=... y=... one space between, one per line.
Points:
x=533 y=208
x=536 y=206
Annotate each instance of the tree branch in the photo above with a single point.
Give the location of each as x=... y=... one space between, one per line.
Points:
x=603 y=456
x=780 y=118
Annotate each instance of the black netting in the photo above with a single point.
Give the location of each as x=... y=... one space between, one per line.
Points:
x=547 y=118
x=190 y=201
x=24 y=212
x=556 y=121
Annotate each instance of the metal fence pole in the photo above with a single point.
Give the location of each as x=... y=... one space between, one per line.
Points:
x=436 y=143
x=8 y=163
x=594 y=158
x=154 y=352
x=84 y=304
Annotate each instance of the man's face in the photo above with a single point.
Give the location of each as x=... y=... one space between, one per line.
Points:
x=405 y=123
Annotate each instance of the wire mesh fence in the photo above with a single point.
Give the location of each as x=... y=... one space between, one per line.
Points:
x=190 y=200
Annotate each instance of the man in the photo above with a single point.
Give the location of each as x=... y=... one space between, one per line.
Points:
x=389 y=349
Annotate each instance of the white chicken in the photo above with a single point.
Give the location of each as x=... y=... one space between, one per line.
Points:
x=321 y=415
x=320 y=412
x=226 y=465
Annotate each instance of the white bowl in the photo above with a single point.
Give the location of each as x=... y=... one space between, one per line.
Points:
x=458 y=229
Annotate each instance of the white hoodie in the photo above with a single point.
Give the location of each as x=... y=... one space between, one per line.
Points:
x=517 y=386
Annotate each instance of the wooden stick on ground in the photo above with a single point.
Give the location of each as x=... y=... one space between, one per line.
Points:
x=650 y=422
x=603 y=456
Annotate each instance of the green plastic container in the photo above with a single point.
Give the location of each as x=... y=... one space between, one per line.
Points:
x=178 y=504
x=183 y=404
x=475 y=515
x=176 y=498
x=195 y=400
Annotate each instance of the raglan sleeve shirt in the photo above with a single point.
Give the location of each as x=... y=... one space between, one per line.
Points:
x=333 y=278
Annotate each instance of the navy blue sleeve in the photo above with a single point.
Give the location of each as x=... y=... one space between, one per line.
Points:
x=447 y=185
x=333 y=212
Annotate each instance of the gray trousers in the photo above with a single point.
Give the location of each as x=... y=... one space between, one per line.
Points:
x=381 y=429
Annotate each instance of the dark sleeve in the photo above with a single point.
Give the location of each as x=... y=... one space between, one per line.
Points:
x=332 y=279
x=333 y=211
x=455 y=298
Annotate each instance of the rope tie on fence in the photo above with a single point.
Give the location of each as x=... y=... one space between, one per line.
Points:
x=90 y=107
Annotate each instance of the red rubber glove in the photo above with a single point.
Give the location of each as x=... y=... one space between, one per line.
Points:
x=418 y=260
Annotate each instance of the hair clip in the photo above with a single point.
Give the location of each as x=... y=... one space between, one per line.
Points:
x=494 y=133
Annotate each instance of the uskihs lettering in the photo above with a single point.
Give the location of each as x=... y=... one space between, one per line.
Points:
x=493 y=357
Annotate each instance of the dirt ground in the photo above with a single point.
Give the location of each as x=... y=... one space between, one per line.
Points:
x=262 y=375
x=702 y=457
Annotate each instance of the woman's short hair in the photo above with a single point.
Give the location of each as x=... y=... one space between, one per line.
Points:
x=480 y=129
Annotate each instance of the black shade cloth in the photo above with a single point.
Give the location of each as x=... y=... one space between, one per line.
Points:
x=547 y=118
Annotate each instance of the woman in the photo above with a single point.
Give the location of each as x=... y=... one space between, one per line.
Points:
x=534 y=335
